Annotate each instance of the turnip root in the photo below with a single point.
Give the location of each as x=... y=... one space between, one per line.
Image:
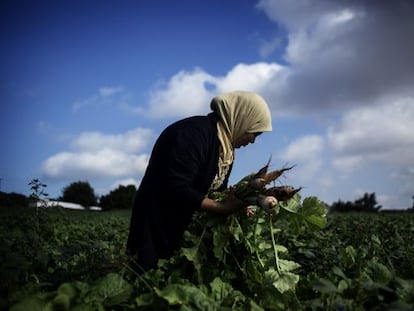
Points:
x=253 y=192
x=269 y=177
x=266 y=202
x=257 y=183
x=282 y=193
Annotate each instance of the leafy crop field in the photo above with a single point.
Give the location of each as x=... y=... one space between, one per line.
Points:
x=74 y=260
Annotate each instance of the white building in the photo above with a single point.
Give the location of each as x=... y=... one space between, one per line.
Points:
x=68 y=205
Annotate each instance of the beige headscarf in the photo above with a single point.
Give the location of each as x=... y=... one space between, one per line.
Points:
x=239 y=112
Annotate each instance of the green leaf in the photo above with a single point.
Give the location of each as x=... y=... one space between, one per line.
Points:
x=286 y=282
x=342 y=286
x=348 y=255
x=336 y=270
x=235 y=229
x=313 y=212
x=219 y=289
x=254 y=271
x=68 y=289
x=291 y=205
x=281 y=249
x=61 y=302
x=288 y=265
x=112 y=289
x=283 y=282
x=190 y=253
x=254 y=306
x=219 y=241
x=379 y=272
x=145 y=299
x=187 y=296
x=324 y=286
x=32 y=303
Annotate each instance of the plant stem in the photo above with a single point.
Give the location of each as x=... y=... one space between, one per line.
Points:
x=254 y=236
x=272 y=234
x=197 y=265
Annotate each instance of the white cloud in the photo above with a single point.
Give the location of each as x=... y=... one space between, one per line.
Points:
x=304 y=148
x=347 y=164
x=384 y=132
x=381 y=136
x=100 y=156
x=306 y=153
x=190 y=92
x=352 y=60
x=268 y=47
x=254 y=77
x=184 y=94
x=94 y=165
x=131 y=141
x=343 y=54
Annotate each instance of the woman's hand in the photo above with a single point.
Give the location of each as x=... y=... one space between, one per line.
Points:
x=229 y=205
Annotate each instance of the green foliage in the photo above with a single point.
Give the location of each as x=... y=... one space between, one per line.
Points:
x=79 y=192
x=43 y=248
x=75 y=261
x=108 y=291
x=120 y=198
x=242 y=254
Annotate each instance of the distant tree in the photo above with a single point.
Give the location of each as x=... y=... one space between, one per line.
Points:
x=367 y=203
x=13 y=200
x=79 y=192
x=120 y=198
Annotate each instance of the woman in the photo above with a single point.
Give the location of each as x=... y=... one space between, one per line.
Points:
x=190 y=158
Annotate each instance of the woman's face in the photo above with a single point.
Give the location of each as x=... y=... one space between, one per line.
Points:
x=245 y=139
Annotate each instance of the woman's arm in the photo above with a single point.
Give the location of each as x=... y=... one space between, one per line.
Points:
x=228 y=206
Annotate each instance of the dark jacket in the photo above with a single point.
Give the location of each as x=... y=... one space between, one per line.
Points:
x=181 y=168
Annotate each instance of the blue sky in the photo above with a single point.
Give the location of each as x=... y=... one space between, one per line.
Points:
x=87 y=86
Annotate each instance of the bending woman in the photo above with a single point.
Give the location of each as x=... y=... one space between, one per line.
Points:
x=190 y=158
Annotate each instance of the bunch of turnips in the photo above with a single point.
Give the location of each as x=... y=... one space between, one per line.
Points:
x=254 y=190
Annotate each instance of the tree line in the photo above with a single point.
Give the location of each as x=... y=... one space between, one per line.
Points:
x=79 y=192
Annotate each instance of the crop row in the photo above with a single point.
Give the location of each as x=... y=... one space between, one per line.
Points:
x=66 y=259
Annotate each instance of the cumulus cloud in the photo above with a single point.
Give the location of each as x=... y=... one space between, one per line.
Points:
x=252 y=77
x=306 y=152
x=99 y=164
x=339 y=55
x=304 y=148
x=190 y=92
x=186 y=93
x=380 y=136
x=349 y=63
x=344 y=53
x=384 y=133
x=99 y=156
x=131 y=141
